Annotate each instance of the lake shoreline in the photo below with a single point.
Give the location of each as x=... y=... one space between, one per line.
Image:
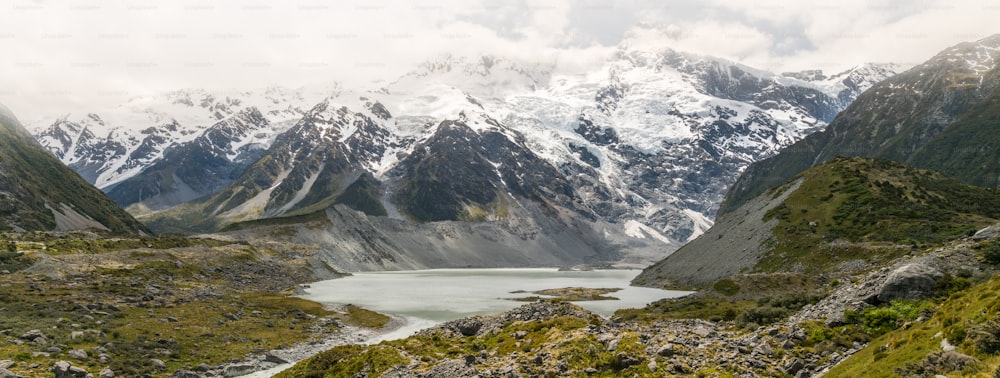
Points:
x=442 y=295
x=265 y=365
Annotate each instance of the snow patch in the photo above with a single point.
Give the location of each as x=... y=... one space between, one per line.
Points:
x=301 y=193
x=701 y=223
x=640 y=231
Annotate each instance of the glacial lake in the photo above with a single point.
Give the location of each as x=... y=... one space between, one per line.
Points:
x=428 y=297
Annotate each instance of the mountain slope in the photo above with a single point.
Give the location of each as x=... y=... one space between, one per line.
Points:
x=940 y=115
x=171 y=148
x=641 y=146
x=38 y=193
x=840 y=216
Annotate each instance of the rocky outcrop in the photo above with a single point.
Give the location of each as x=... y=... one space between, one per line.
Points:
x=910 y=281
x=906 y=278
x=64 y=369
x=733 y=244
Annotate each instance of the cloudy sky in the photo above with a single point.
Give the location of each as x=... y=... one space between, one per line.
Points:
x=73 y=55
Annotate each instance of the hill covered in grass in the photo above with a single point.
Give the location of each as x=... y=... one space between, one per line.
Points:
x=846 y=215
x=39 y=193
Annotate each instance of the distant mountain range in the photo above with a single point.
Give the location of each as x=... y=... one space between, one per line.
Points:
x=809 y=209
x=632 y=157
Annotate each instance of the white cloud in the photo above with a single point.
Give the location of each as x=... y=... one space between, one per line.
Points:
x=64 y=56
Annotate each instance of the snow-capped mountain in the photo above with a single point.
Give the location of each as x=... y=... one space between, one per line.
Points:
x=938 y=115
x=111 y=147
x=635 y=154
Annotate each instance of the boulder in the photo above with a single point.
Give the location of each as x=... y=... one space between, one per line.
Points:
x=106 y=373
x=794 y=366
x=4 y=373
x=274 y=358
x=236 y=370
x=78 y=354
x=186 y=374
x=32 y=334
x=910 y=281
x=666 y=350
x=64 y=369
x=468 y=326
x=987 y=233
x=158 y=364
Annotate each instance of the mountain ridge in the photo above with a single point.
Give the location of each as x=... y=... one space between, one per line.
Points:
x=937 y=115
x=645 y=143
x=38 y=193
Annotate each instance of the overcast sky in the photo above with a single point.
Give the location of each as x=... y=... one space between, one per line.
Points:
x=63 y=56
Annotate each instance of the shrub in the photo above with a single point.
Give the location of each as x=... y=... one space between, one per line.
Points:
x=726 y=287
x=761 y=315
x=992 y=253
x=879 y=320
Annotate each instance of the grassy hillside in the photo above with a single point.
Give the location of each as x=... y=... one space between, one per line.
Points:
x=968 y=319
x=31 y=178
x=939 y=115
x=836 y=218
x=872 y=210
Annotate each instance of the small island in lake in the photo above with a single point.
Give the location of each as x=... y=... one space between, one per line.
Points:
x=569 y=294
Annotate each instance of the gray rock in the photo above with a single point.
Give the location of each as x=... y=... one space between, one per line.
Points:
x=626 y=360
x=652 y=366
x=701 y=331
x=794 y=366
x=64 y=369
x=7 y=364
x=666 y=350
x=613 y=345
x=451 y=368
x=32 y=335
x=276 y=359
x=79 y=354
x=106 y=373
x=911 y=281
x=468 y=326
x=158 y=364
x=4 y=373
x=987 y=233
x=236 y=370
x=186 y=374
x=763 y=349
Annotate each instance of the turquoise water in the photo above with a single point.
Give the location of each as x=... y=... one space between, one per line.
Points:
x=440 y=295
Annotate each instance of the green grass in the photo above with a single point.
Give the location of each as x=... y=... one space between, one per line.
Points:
x=365 y=318
x=957 y=318
x=558 y=338
x=871 y=210
x=210 y=307
x=32 y=178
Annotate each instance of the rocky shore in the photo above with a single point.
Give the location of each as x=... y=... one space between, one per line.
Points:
x=552 y=338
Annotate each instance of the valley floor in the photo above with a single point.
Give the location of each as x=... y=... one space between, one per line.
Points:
x=79 y=304
x=884 y=322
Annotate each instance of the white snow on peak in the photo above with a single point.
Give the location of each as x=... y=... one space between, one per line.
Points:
x=143 y=128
